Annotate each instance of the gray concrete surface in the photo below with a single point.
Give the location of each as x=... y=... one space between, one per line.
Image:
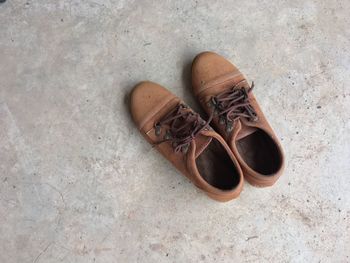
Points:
x=79 y=184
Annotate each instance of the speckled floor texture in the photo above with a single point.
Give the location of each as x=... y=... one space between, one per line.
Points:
x=79 y=184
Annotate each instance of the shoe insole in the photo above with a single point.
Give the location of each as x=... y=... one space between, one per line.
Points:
x=260 y=152
x=216 y=167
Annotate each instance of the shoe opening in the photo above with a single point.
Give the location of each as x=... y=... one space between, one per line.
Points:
x=216 y=167
x=260 y=152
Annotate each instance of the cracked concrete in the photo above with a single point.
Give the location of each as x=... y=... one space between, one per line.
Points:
x=79 y=184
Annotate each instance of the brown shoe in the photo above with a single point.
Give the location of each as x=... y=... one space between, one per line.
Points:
x=186 y=140
x=227 y=97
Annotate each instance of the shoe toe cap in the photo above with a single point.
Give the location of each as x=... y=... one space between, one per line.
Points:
x=146 y=98
x=208 y=66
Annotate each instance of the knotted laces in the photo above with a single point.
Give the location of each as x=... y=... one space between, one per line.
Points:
x=233 y=104
x=183 y=125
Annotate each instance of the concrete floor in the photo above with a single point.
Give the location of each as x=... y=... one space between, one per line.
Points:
x=79 y=184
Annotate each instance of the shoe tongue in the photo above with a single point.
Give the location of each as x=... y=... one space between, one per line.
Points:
x=201 y=142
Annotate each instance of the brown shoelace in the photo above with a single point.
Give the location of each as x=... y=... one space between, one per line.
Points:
x=184 y=125
x=233 y=104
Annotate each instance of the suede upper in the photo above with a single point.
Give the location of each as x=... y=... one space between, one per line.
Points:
x=254 y=143
x=150 y=102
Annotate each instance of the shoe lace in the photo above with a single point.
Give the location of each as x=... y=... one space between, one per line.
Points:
x=232 y=104
x=183 y=124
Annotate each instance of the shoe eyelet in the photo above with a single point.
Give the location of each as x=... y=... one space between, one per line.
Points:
x=229 y=126
x=157 y=129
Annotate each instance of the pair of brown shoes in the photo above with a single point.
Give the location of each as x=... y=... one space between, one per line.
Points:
x=242 y=145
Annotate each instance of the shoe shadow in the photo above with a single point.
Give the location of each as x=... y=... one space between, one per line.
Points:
x=123 y=122
x=186 y=79
x=128 y=87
